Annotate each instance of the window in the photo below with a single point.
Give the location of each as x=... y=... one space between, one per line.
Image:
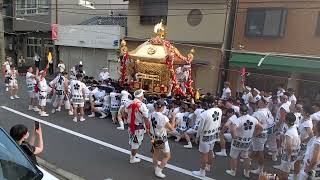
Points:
x=33 y=46
x=152 y=11
x=318 y=26
x=194 y=17
x=152 y=20
x=266 y=22
x=30 y=7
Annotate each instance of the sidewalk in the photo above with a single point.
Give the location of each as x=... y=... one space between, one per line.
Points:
x=57 y=172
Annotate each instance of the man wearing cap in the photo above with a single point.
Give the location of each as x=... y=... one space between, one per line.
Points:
x=104 y=75
x=137 y=113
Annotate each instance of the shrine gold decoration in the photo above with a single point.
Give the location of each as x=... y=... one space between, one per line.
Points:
x=123 y=47
x=152 y=50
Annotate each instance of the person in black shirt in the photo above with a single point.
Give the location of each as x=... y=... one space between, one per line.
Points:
x=20 y=134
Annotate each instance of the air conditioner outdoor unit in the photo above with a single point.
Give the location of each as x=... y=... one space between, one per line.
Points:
x=87 y=4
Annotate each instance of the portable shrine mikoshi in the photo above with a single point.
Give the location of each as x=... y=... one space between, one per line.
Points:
x=157 y=66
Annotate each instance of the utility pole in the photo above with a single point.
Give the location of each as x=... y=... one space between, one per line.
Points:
x=2 y=43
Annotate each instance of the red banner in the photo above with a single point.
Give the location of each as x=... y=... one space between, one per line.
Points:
x=54 y=31
x=243 y=76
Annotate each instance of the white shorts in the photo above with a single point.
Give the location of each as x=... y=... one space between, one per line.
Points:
x=235 y=153
x=191 y=131
x=166 y=148
x=206 y=147
x=228 y=137
x=258 y=144
x=13 y=83
x=78 y=105
x=42 y=97
x=136 y=139
x=102 y=109
x=59 y=95
x=177 y=132
x=31 y=94
x=76 y=102
x=287 y=161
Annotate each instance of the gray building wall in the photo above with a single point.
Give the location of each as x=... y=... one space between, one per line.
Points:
x=70 y=13
x=93 y=60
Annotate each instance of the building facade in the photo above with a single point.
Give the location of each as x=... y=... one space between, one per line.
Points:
x=96 y=46
x=190 y=24
x=32 y=20
x=279 y=44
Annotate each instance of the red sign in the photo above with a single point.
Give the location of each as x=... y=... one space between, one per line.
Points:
x=54 y=31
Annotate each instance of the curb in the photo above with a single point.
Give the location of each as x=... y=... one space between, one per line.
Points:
x=59 y=173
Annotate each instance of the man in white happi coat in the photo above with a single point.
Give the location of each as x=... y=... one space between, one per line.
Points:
x=60 y=86
x=31 y=82
x=242 y=130
x=43 y=91
x=137 y=113
x=104 y=75
x=125 y=98
x=208 y=134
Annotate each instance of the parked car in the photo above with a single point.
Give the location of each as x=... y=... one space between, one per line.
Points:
x=14 y=163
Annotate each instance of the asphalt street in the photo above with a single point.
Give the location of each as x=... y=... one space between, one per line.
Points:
x=95 y=161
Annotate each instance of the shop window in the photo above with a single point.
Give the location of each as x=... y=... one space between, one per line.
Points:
x=263 y=22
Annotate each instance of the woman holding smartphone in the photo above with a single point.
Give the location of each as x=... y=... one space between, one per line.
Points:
x=20 y=134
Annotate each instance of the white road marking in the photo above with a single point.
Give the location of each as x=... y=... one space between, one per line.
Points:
x=111 y=146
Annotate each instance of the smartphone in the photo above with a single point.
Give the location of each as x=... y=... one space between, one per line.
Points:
x=36 y=125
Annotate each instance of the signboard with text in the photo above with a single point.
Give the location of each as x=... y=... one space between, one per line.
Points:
x=90 y=36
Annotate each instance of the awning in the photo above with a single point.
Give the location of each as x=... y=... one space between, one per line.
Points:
x=276 y=62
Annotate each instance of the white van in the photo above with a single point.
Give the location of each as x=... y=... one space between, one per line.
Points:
x=14 y=163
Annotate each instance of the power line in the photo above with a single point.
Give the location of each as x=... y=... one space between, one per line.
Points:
x=169 y=15
x=189 y=3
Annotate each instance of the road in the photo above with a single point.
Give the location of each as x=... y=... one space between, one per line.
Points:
x=95 y=150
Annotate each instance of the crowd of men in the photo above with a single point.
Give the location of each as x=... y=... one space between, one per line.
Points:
x=255 y=123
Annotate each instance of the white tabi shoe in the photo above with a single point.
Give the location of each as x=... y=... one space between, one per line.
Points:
x=103 y=115
x=36 y=109
x=134 y=160
x=44 y=114
x=201 y=173
x=75 y=119
x=223 y=154
x=231 y=172
x=158 y=172
x=92 y=115
x=189 y=146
